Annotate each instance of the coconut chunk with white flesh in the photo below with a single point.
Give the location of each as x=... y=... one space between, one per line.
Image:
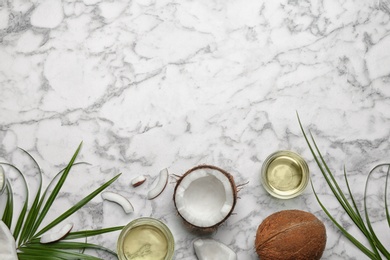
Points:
x=7 y=243
x=137 y=181
x=210 y=249
x=51 y=237
x=119 y=199
x=160 y=185
x=205 y=196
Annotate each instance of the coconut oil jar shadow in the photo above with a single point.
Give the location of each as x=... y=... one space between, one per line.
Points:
x=285 y=174
x=145 y=239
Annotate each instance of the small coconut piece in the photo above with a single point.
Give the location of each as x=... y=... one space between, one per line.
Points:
x=55 y=236
x=119 y=199
x=160 y=186
x=137 y=181
x=290 y=234
x=2 y=179
x=210 y=249
x=205 y=197
x=7 y=243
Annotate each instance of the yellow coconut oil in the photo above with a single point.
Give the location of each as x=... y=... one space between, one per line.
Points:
x=285 y=174
x=145 y=239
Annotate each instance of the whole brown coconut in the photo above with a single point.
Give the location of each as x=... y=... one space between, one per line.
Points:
x=291 y=235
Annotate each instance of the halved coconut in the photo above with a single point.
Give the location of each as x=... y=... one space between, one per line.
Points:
x=205 y=197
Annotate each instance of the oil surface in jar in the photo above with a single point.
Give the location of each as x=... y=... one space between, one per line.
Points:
x=284 y=174
x=145 y=242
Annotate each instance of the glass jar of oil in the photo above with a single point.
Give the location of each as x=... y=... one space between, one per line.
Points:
x=145 y=239
x=285 y=174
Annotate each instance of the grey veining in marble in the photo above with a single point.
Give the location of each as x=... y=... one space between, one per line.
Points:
x=150 y=84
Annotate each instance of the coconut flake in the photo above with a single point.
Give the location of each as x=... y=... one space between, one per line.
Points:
x=160 y=186
x=55 y=236
x=119 y=199
x=137 y=181
x=2 y=179
x=7 y=243
x=210 y=249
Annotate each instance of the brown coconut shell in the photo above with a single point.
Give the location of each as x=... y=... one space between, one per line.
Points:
x=197 y=229
x=290 y=235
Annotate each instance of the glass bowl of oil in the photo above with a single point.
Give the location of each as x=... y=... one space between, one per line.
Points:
x=285 y=174
x=145 y=239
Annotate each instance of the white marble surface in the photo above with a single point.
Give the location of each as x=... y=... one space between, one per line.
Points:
x=149 y=84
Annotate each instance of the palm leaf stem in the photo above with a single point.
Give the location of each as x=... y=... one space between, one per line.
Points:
x=25 y=256
x=70 y=245
x=43 y=250
x=85 y=233
x=90 y=233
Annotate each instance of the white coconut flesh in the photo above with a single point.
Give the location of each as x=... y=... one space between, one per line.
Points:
x=119 y=199
x=7 y=243
x=210 y=249
x=204 y=197
x=55 y=236
x=160 y=186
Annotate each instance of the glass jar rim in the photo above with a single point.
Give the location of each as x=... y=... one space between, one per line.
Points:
x=146 y=221
x=303 y=168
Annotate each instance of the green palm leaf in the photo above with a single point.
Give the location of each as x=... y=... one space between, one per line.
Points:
x=38 y=203
x=374 y=237
x=26 y=256
x=9 y=207
x=27 y=227
x=25 y=204
x=76 y=207
x=44 y=250
x=386 y=185
x=25 y=231
x=365 y=226
x=55 y=191
x=90 y=233
x=70 y=245
x=351 y=238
